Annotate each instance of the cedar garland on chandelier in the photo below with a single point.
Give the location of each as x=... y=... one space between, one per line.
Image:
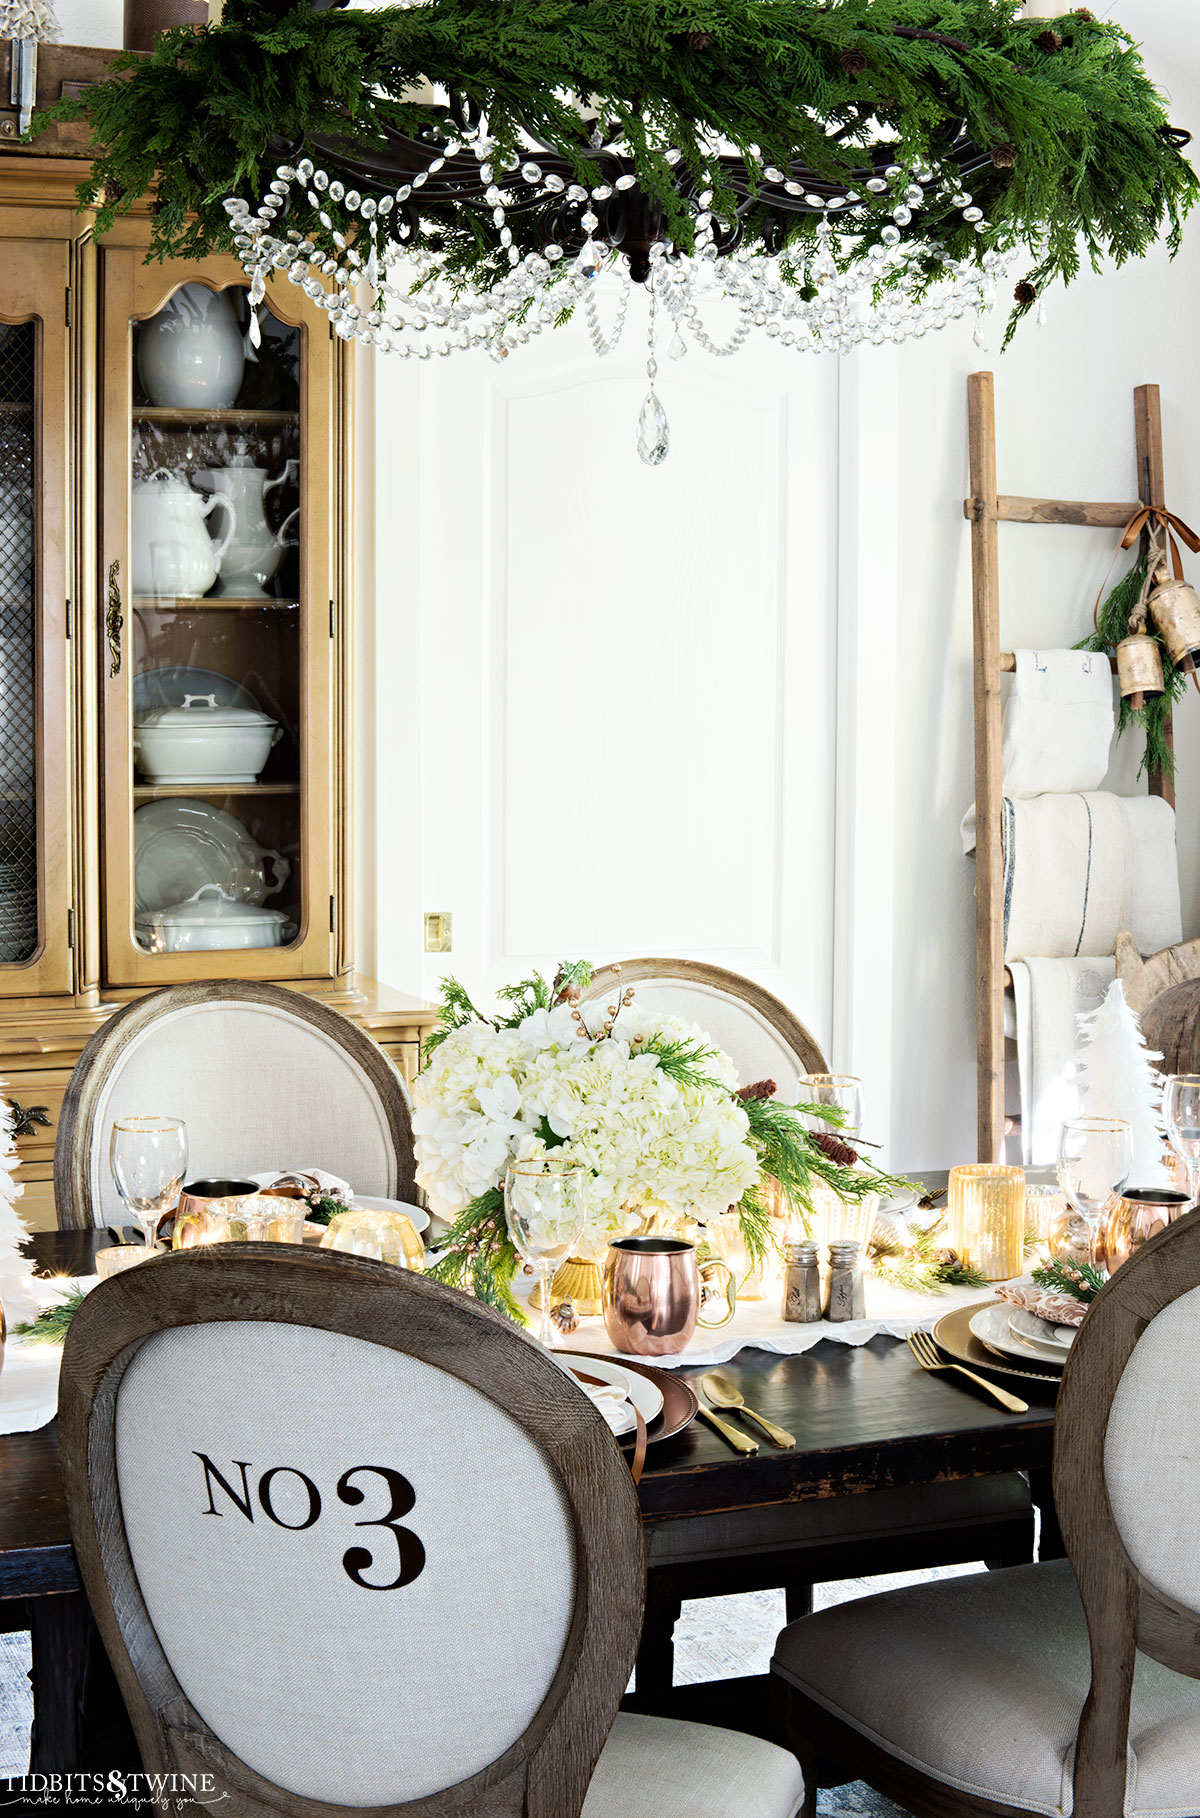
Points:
x=763 y=118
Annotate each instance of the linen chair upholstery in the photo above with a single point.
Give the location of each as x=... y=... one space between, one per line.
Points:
x=353 y=1541
x=1071 y=1687
x=262 y=1077
x=760 y=1035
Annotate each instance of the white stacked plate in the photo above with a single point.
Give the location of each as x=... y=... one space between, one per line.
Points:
x=1016 y=1333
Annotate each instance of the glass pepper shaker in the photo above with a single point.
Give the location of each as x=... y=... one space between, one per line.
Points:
x=847 y=1292
x=802 y=1301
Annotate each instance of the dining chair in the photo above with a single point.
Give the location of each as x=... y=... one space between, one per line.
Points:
x=262 y=1076
x=760 y=1034
x=796 y=1545
x=1064 y=1687
x=353 y=1540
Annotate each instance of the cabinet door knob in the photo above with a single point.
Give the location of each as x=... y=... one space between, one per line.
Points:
x=114 y=620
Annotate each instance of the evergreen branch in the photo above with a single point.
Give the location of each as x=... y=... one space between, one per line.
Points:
x=1083 y=160
x=51 y=1324
x=757 y=1228
x=683 y=1060
x=1082 y=1280
x=478 y=1257
x=1154 y=716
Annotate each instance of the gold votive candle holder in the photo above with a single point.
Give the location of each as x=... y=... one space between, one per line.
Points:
x=986 y=1217
x=115 y=1258
x=1044 y=1207
x=835 y=1218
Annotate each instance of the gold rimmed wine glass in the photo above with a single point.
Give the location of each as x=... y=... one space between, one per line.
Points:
x=148 y=1157
x=1181 y=1115
x=545 y=1208
x=1095 y=1157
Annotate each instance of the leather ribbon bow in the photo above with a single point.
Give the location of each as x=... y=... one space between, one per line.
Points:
x=1151 y=517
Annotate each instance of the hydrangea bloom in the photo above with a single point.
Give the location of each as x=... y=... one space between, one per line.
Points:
x=488 y=1097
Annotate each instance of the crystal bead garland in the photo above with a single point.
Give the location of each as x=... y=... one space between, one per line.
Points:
x=399 y=299
x=654 y=432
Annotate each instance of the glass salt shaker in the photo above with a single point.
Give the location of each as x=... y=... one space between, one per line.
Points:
x=847 y=1292
x=802 y=1301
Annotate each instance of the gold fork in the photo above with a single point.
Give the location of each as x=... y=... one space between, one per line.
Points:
x=926 y=1354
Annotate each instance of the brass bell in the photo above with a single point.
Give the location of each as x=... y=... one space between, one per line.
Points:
x=1140 y=669
x=1175 y=609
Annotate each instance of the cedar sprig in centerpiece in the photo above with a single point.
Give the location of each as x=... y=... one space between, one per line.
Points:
x=647 y=1103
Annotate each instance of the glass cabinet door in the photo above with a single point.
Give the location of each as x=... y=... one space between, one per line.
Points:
x=35 y=663
x=218 y=479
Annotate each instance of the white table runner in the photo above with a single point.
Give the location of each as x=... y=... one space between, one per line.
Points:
x=893 y=1311
x=29 y=1376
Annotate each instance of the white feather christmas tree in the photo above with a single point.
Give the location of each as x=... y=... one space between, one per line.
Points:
x=1116 y=1076
x=18 y=1296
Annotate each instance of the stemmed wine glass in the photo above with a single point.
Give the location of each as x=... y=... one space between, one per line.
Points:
x=840 y=1090
x=1095 y=1156
x=1181 y=1115
x=148 y=1157
x=545 y=1206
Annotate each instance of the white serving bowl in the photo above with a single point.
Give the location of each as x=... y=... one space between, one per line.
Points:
x=201 y=742
x=211 y=921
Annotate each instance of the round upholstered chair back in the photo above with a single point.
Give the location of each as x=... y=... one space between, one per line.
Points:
x=760 y=1035
x=263 y=1078
x=1127 y=1489
x=350 y=1538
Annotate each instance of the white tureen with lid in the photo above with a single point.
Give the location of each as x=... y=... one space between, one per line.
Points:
x=203 y=742
x=209 y=921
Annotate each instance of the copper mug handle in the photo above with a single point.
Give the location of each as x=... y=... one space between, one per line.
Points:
x=705 y=1270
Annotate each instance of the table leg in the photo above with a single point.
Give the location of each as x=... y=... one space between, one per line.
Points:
x=798 y=1601
x=1050 y=1540
x=80 y=1724
x=654 y=1671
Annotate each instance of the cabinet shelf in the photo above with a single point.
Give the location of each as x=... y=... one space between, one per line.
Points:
x=153 y=602
x=151 y=792
x=181 y=417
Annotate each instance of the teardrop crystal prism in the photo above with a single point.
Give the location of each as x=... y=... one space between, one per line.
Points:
x=654 y=432
x=676 y=347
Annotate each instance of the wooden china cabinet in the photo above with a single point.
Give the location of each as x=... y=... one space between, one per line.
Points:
x=104 y=629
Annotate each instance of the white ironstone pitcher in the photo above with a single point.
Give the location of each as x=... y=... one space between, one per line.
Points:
x=173 y=554
x=255 y=551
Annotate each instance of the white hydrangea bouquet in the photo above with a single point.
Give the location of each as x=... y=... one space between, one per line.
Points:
x=647 y=1103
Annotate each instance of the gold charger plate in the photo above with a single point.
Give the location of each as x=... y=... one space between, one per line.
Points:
x=953 y=1333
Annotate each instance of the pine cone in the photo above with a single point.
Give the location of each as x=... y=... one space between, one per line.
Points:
x=853 y=62
x=564 y=1316
x=1004 y=156
x=699 y=40
x=1025 y=294
x=834 y=1148
x=1085 y=13
x=762 y=1088
x=1048 y=41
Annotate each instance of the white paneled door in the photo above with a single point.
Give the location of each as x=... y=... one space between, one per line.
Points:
x=627 y=675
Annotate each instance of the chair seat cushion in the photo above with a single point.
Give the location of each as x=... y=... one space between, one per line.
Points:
x=654 y=1767
x=980 y=1681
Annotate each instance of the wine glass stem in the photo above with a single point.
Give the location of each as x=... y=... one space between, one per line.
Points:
x=1193 y=1174
x=546 y=1334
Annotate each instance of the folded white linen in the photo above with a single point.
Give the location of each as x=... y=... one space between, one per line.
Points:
x=1058 y=727
x=1049 y=995
x=1069 y=875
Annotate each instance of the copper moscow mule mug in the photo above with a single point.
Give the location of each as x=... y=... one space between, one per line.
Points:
x=651 y=1294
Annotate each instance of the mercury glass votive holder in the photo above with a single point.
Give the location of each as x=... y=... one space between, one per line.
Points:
x=376 y=1231
x=255 y=1220
x=114 y=1258
x=986 y=1217
x=1044 y=1206
x=835 y=1218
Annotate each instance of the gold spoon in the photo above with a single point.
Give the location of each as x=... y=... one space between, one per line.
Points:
x=723 y=1394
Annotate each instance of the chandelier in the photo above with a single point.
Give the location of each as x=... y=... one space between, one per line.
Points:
x=857 y=277
x=467 y=174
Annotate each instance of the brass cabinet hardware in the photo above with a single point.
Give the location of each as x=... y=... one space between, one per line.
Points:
x=27 y=1118
x=114 y=620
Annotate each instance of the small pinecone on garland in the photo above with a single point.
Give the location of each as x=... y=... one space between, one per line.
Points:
x=834 y=1148
x=1004 y=156
x=1048 y=41
x=762 y=1088
x=853 y=62
x=564 y=1317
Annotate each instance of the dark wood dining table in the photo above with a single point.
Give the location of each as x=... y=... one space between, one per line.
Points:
x=865 y=1418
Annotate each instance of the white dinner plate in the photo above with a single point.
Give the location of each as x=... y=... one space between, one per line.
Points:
x=180 y=844
x=645 y=1395
x=167 y=687
x=1054 y=1340
x=417 y=1216
x=990 y=1326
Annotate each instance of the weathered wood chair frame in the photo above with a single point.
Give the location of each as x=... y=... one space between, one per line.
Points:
x=77 y=1130
x=545 y=1773
x=943 y=1524
x=790 y=1030
x=1124 y=1612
